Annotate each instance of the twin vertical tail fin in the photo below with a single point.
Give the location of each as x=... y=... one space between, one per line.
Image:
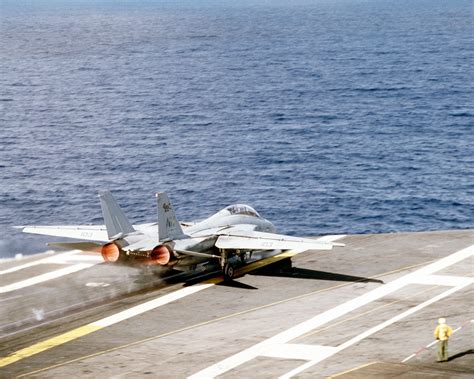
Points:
x=118 y=225
x=115 y=220
x=168 y=225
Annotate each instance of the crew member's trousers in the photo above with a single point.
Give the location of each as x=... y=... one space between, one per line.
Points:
x=442 y=351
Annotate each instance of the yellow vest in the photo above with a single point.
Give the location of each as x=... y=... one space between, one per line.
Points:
x=443 y=332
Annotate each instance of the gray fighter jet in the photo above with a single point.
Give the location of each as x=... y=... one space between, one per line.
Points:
x=230 y=236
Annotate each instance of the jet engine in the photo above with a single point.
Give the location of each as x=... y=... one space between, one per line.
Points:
x=110 y=252
x=161 y=255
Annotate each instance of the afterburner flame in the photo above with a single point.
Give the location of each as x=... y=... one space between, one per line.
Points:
x=160 y=255
x=110 y=252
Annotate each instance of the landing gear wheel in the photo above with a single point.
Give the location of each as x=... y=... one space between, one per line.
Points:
x=228 y=272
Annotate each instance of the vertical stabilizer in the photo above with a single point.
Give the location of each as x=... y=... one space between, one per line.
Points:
x=168 y=225
x=115 y=220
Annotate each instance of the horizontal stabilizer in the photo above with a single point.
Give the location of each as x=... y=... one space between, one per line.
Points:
x=83 y=246
x=88 y=233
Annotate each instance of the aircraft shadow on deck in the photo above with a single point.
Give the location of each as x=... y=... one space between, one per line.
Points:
x=285 y=269
x=213 y=274
x=236 y=284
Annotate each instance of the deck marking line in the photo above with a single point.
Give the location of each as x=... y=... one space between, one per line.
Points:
x=359 y=315
x=174 y=331
x=44 y=277
x=352 y=369
x=48 y=344
x=107 y=321
x=149 y=305
x=424 y=348
x=215 y=280
x=78 y=258
x=51 y=259
x=442 y=280
x=329 y=315
x=374 y=330
x=100 y=324
x=297 y=351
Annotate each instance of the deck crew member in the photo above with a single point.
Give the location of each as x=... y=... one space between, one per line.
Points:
x=442 y=334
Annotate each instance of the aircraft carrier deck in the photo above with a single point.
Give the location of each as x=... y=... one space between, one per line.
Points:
x=364 y=311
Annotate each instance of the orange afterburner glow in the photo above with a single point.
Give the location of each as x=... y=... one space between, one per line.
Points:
x=110 y=252
x=160 y=255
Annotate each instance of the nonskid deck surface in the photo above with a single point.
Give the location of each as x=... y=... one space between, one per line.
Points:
x=357 y=311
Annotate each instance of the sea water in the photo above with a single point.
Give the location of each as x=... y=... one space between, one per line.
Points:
x=327 y=116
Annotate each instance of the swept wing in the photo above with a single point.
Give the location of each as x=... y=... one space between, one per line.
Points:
x=241 y=239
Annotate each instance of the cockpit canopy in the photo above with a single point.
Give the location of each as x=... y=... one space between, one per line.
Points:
x=240 y=209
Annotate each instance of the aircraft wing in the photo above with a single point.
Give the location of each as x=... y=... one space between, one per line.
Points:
x=82 y=232
x=238 y=239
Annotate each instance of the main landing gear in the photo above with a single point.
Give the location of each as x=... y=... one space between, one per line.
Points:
x=230 y=261
x=228 y=271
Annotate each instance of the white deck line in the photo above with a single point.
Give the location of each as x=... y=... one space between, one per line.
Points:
x=102 y=323
x=331 y=314
x=145 y=307
x=298 y=351
x=442 y=280
x=80 y=258
x=149 y=305
x=47 y=260
x=431 y=344
x=374 y=330
x=44 y=277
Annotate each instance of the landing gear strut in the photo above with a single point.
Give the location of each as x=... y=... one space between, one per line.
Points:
x=231 y=260
x=227 y=267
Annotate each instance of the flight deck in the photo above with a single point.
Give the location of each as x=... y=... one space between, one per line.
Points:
x=367 y=310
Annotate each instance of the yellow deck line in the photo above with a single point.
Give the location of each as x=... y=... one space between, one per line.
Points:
x=353 y=369
x=95 y=326
x=216 y=281
x=48 y=344
x=102 y=323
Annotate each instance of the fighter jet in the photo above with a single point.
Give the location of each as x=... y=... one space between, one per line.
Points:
x=230 y=237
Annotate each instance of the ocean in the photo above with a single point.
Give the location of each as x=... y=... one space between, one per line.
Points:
x=327 y=116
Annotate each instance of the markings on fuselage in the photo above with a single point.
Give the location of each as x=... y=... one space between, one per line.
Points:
x=281 y=340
